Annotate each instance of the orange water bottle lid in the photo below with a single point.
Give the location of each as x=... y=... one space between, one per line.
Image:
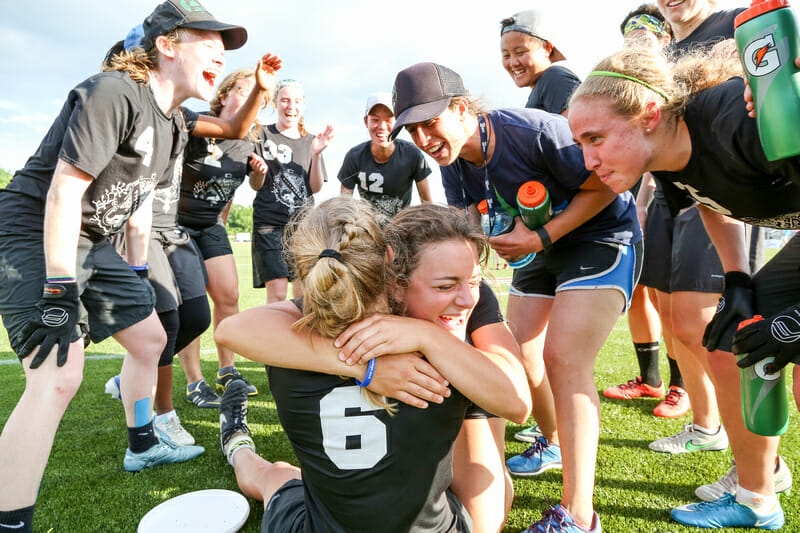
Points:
x=758 y=7
x=483 y=207
x=749 y=321
x=531 y=194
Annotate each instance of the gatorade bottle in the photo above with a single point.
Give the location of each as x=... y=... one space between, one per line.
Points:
x=768 y=42
x=503 y=223
x=533 y=201
x=764 y=401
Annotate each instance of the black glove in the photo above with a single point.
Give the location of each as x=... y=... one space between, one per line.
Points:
x=54 y=323
x=735 y=305
x=778 y=337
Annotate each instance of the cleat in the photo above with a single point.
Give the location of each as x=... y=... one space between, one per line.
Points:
x=540 y=457
x=161 y=453
x=530 y=434
x=691 y=439
x=727 y=484
x=169 y=428
x=233 y=430
x=635 y=388
x=112 y=388
x=727 y=512
x=203 y=396
x=674 y=405
x=224 y=380
x=558 y=518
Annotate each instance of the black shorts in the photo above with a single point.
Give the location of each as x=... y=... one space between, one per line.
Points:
x=775 y=287
x=112 y=295
x=475 y=411
x=286 y=511
x=177 y=272
x=678 y=253
x=211 y=241
x=581 y=266
x=269 y=259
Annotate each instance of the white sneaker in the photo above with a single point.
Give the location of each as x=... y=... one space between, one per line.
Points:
x=169 y=427
x=691 y=439
x=727 y=483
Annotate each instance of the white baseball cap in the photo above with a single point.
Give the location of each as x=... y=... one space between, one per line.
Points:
x=378 y=99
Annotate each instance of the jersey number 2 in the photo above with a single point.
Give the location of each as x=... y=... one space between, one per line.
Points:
x=352 y=438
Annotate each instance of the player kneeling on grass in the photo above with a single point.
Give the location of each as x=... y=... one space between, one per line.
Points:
x=392 y=456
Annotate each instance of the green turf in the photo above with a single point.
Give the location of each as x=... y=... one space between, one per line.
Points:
x=85 y=488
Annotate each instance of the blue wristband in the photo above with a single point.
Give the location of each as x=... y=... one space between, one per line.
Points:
x=370 y=374
x=140 y=267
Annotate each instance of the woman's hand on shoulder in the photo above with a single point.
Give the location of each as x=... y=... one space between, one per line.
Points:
x=381 y=335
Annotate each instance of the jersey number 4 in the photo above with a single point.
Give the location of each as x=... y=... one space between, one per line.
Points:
x=352 y=436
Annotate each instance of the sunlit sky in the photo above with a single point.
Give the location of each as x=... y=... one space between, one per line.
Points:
x=340 y=50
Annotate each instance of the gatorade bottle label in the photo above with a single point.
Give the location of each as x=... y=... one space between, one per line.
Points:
x=761 y=56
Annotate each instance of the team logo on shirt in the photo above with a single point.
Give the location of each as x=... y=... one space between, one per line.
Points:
x=116 y=204
x=166 y=197
x=761 y=57
x=289 y=189
x=216 y=190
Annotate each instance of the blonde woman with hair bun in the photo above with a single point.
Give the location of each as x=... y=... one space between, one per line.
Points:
x=380 y=406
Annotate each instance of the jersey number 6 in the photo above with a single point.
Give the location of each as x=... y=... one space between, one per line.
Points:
x=352 y=438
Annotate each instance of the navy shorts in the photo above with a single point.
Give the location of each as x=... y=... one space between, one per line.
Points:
x=581 y=266
x=211 y=241
x=269 y=259
x=112 y=295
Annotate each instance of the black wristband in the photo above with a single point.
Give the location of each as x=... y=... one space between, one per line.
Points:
x=545 y=238
x=735 y=279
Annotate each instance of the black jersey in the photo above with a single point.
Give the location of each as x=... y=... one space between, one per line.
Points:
x=362 y=467
x=386 y=186
x=553 y=88
x=728 y=171
x=714 y=29
x=212 y=171
x=111 y=128
x=167 y=193
x=717 y=27
x=287 y=187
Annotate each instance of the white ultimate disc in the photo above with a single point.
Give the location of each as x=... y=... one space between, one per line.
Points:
x=209 y=510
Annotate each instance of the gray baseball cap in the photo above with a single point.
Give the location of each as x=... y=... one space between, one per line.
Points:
x=422 y=92
x=381 y=98
x=532 y=22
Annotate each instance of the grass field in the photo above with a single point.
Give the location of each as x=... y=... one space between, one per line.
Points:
x=85 y=488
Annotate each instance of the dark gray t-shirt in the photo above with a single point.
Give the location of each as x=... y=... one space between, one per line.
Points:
x=552 y=90
x=111 y=128
x=287 y=187
x=386 y=186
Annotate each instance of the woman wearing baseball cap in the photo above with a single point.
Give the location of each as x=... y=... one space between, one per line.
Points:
x=118 y=135
x=587 y=257
x=532 y=60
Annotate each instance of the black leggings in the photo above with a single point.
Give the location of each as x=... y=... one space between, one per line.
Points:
x=183 y=326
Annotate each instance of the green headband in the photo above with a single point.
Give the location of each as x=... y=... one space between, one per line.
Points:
x=610 y=74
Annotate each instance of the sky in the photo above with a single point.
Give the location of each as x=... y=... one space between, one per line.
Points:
x=340 y=50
